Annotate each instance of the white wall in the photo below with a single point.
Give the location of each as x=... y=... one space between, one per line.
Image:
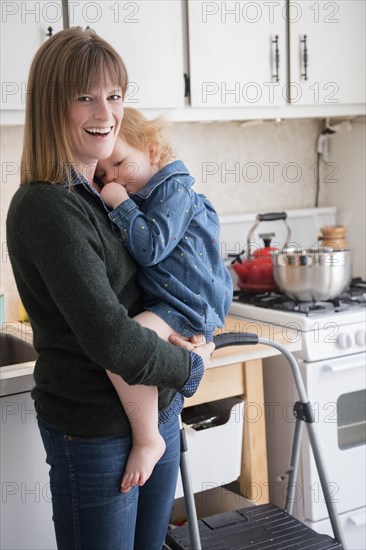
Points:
x=348 y=191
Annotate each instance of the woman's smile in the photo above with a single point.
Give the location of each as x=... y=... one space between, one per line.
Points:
x=99 y=132
x=94 y=122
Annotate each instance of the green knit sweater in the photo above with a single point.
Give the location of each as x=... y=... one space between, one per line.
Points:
x=77 y=283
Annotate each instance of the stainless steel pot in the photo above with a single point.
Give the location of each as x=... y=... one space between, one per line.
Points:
x=312 y=274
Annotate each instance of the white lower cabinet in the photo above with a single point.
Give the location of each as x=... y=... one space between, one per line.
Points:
x=26 y=509
x=214 y=453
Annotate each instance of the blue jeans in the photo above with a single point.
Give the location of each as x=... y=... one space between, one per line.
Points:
x=89 y=511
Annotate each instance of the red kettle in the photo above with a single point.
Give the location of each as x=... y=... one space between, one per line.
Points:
x=255 y=269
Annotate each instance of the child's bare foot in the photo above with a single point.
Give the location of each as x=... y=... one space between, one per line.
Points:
x=141 y=462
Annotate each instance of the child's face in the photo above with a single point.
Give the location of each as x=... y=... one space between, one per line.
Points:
x=128 y=166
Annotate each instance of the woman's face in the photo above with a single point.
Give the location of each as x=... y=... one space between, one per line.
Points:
x=94 y=121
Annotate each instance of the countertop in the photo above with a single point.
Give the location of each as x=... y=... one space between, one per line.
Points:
x=22 y=371
x=222 y=357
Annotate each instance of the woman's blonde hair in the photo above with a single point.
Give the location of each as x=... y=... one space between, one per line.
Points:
x=69 y=64
x=145 y=134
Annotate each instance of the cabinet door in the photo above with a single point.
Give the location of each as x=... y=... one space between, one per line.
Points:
x=149 y=37
x=24 y=27
x=26 y=505
x=232 y=53
x=333 y=34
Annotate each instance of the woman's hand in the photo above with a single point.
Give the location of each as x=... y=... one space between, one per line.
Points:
x=195 y=344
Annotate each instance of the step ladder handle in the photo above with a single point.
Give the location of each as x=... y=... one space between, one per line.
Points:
x=226 y=339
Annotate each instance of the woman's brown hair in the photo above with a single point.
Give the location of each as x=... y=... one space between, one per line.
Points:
x=68 y=64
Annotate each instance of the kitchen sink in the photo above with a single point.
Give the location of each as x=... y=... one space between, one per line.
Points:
x=13 y=350
x=17 y=359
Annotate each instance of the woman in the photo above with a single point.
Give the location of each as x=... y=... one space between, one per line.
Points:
x=78 y=286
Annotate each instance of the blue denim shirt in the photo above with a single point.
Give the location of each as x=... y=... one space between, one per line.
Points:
x=197 y=366
x=173 y=233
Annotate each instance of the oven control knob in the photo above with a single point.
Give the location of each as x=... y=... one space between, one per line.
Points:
x=361 y=338
x=344 y=340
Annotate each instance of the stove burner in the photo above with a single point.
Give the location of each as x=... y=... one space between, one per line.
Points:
x=356 y=292
x=351 y=298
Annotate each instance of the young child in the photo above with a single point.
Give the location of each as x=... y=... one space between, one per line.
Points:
x=173 y=233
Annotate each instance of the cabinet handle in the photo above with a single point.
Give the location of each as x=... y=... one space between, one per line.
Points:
x=50 y=31
x=65 y=14
x=187 y=86
x=305 y=57
x=276 y=57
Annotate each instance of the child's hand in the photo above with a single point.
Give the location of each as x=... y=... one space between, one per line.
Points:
x=113 y=194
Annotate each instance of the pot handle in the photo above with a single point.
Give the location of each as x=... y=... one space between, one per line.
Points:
x=268 y=217
x=271 y=216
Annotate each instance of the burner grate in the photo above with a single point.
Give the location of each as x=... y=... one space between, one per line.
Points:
x=351 y=298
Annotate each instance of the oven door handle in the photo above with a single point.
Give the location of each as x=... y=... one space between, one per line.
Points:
x=340 y=368
x=357 y=519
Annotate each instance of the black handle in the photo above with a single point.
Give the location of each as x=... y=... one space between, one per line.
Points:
x=187 y=85
x=305 y=57
x=271 y=216
x=236 y=257
x=276 y=76
x=50 y=31
x=235 y=339
x=65 y=14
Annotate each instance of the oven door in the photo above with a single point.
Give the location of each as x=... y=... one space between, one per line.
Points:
x=336 y=389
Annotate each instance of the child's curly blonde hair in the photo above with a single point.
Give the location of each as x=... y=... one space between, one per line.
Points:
x=145 y=134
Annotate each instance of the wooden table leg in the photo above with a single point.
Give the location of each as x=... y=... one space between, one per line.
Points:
x=254 y=471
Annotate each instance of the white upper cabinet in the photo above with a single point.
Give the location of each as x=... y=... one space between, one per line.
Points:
x=245 y=58
x=327 y=52
x=240 y=52
x=25 y=25
x=148 y=34
x=237 y=53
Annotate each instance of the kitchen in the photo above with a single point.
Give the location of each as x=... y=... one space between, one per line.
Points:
x=247 y=156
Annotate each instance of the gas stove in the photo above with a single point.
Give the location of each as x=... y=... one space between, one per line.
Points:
x=327 y=329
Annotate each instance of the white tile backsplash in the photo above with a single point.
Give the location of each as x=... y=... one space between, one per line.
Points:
x=251 y=168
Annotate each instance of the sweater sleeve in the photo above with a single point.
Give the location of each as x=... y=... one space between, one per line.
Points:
x=56 y=233
x=151 y=237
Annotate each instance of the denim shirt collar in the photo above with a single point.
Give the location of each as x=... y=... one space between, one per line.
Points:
x=78 y=179
x=175 y=168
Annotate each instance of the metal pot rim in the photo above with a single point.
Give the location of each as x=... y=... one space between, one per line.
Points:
x=309 y=257
x=311 y=251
